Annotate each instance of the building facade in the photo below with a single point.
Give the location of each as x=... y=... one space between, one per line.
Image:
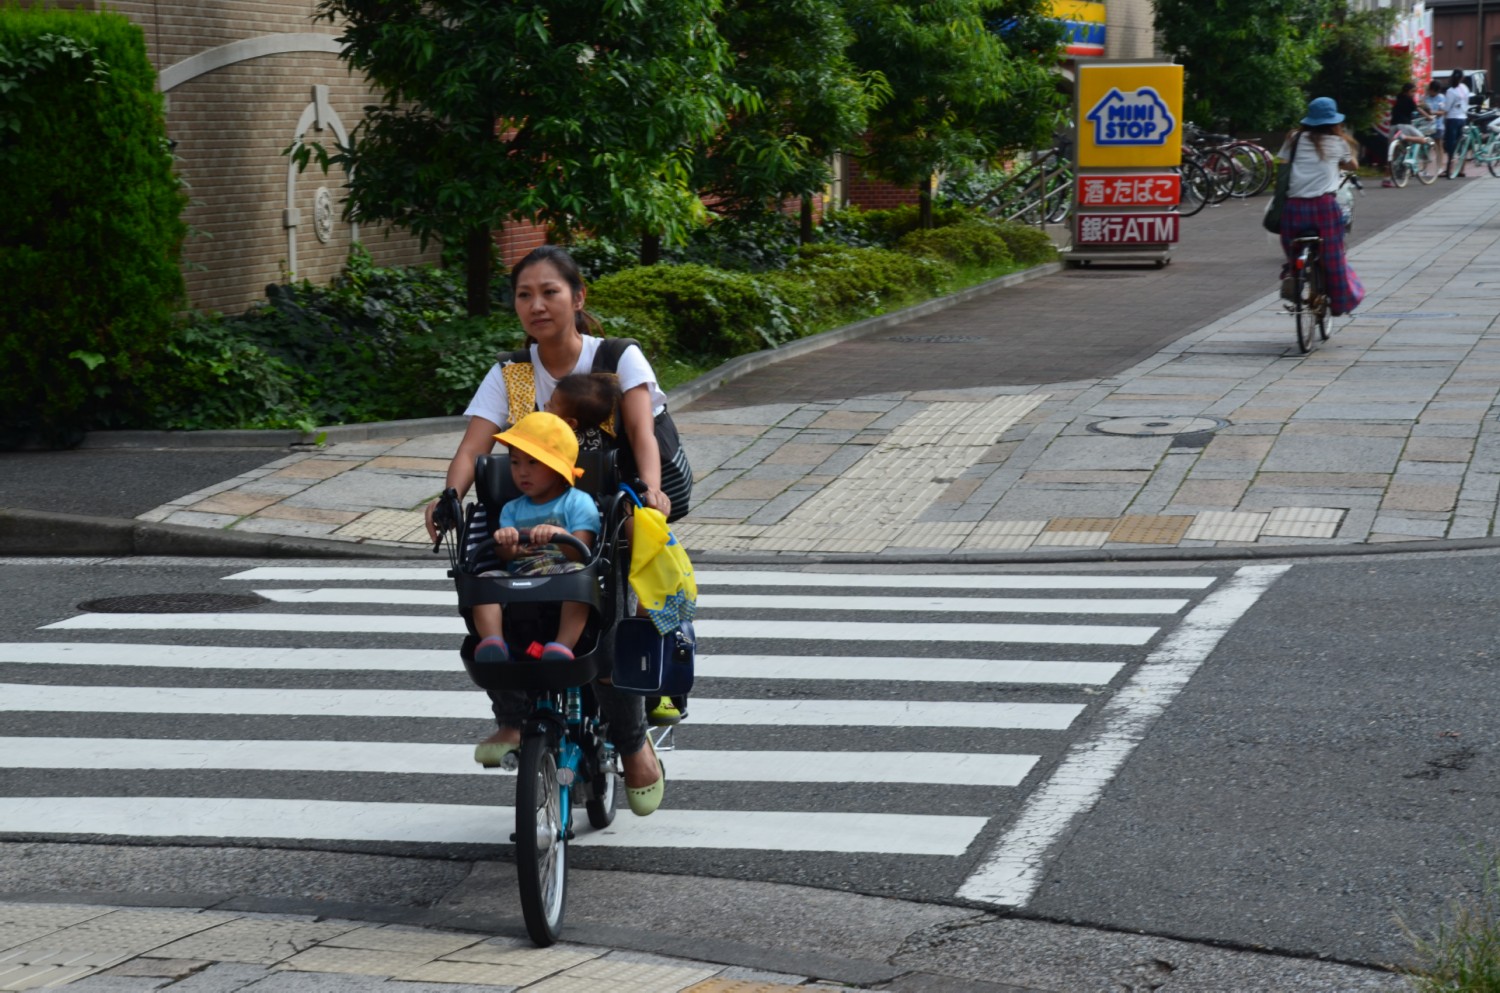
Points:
x=243 y=80
x=1466 y=35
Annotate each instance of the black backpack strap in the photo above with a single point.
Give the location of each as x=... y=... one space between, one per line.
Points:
x=607 y=358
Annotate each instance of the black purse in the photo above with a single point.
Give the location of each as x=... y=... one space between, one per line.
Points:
x=1271 y=219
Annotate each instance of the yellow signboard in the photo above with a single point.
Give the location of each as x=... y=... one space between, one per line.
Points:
x=1129 y=115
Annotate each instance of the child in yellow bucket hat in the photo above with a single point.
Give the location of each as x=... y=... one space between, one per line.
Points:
x=543 y=457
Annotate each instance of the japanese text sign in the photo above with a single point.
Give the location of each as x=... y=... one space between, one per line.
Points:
x=1104 y=190
x=1127 y=229
x=1129 y=115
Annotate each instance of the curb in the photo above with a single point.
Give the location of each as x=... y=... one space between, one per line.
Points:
x=40 y=533
x=1159 y=554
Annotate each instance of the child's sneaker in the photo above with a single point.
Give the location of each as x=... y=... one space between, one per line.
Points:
x=491 y=650
x=556 y=650
x=664 y=714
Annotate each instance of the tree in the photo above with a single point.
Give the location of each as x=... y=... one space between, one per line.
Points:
x=88 y=252
x=956 y=82
x=1357 y=66
x=1245 y=61
x=574 y=113
x=813 y=103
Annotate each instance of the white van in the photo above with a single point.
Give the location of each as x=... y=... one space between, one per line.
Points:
x=1477 y=80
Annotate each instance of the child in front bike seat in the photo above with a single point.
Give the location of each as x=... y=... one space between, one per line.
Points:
x=543 y=453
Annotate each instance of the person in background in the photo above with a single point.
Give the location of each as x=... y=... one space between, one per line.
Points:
x=1455 y=119
x=1316 y=151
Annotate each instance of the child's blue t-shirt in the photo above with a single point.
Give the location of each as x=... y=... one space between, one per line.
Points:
x=573 y=511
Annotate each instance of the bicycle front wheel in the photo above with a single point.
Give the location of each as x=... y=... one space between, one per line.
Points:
x=1423 y=166
x=541 y=841
x=1196 y=189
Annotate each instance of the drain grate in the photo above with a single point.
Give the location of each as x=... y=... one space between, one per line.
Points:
x=936 y=339
x=172 y=603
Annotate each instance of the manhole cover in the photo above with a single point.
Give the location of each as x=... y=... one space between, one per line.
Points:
x=1150 y=427
x=172 y=603
x=936 y=339
x=1408 y=316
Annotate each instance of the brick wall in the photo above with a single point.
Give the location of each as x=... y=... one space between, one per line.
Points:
x=870 y=193
x=231 y=125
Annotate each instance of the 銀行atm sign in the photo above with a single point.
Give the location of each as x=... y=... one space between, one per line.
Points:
x=1129 y=115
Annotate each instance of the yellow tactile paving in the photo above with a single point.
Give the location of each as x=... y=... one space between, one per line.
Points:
x=316 y=469
x=621 y=976
x=1081 y=524
x=356 y=961
x=747 y=986
x=387 y=939
x=387 y=525
x=1151 y=529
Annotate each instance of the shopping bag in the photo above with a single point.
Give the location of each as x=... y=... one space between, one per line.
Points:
x=660 y=572
x=650 y=663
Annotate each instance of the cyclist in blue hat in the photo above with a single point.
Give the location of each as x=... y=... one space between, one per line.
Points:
x=1317 y=150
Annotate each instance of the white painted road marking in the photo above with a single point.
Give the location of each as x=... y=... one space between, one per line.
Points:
x=445 y=823
x=445 y=704
x=904 y=580
x=1010 y=873
x=420 y=758
x=719 y=601
x=840 y=667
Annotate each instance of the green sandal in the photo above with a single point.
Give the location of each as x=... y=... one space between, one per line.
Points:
x=491 y=754
x=645 y=799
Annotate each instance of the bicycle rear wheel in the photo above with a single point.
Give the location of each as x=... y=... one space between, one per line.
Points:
x=1196 y=189
x=541 y=841
x=1305 y=273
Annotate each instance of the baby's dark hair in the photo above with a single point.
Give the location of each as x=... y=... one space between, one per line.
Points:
x=591 y=396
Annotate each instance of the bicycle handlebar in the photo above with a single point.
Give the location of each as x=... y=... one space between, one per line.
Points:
x=561 y=538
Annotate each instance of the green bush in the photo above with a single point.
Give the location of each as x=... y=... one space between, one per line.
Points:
x=695 y=311
x=90 y=226
x=884 y=228
x=1029 y=246
x=376 y=344
x=964 y=245
x=850 y=283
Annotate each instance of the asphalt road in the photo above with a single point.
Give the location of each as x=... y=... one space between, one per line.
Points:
x=1329 y=766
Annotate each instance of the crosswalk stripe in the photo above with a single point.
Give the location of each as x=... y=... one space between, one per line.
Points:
x=1074 y=634
x=965 y=581
x=223 y=657
x=905 y=667
x=334 y=820
x=842 y=667
x=717 y=601
x=445 y=704
x=423 y=758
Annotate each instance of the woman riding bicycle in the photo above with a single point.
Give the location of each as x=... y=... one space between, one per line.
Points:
x=1316 y=151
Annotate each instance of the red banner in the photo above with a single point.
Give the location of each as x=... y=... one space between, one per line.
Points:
x=1127 y=229
x=1157 y=190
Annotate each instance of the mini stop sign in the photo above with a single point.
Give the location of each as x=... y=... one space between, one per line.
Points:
x=1129 y=115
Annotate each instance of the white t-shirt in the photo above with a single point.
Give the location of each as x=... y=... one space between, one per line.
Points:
x=492 y=403
x=1456 y=103
x=1312 y=176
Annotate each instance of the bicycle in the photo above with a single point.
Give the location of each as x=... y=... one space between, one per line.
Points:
x=1407 y=158
x=1309 y=301
x=565 y=754
x=1040 y=193
x=1481 y=147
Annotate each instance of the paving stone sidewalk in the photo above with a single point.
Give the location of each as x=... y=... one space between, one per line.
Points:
x=109 y=950
x=1226 y=436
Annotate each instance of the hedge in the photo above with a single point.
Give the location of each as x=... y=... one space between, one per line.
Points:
x=90 y=226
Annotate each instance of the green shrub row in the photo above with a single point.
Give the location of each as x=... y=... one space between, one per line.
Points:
x=385 y=343
x=90 y=224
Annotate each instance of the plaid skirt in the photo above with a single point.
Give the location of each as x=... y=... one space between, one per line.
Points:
x=1320 y=215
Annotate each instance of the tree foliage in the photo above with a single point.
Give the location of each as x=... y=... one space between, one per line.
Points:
x=574 y=113
x=1357 y=67
x=813 y=102
x=966 y=79
x=90 y=226
x=1245 y=60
